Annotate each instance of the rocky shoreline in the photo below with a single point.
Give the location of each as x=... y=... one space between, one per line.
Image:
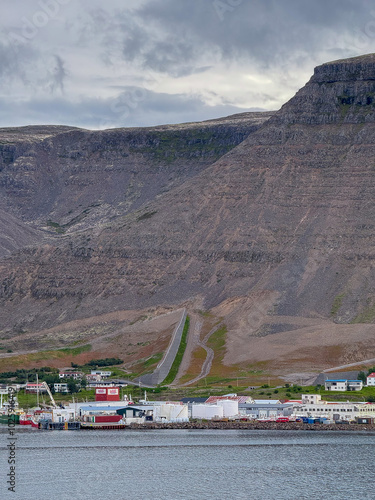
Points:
x=250 y=425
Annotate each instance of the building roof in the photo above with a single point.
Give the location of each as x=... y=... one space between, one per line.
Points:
x=193 y=400
x=266 y=401
x=240 y=399
x=267 y=404
x=372 y=375
x=336 y=380
x=102 y=408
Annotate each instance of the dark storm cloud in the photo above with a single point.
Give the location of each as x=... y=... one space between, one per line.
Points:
x=263 y=30
x=178 y=37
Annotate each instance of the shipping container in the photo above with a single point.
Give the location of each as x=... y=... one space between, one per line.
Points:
x=107 y=418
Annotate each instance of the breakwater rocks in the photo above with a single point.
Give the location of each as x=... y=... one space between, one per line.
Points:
x=250 y=425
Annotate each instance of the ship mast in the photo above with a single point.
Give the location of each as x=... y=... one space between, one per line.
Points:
x=37 y=391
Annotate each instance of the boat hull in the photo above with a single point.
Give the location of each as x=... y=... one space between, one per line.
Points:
x=25 y=421
x=5 y=419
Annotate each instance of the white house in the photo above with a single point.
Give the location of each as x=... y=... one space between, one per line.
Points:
x=343 y=385
x=335 y=385
x=61 y=387
x=71 y=374
x=101 y=373
x=33 y=387
x=354 y=385
x=370 y=379
x=312 y=399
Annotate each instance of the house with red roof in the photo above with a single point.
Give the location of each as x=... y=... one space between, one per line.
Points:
x=370 y=379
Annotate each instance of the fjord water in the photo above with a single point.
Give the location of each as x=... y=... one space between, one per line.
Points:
x=190 y=464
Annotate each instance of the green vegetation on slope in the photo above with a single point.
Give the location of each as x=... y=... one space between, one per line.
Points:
x=145 y=365
x=366 y=316
x=337 y=303
x=169 y=146
x=74 y=351
x=217 y=340
x=180 y=353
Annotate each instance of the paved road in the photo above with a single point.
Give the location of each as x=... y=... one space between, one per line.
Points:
x=350 y=365
x=135 y=383
x=163 y=368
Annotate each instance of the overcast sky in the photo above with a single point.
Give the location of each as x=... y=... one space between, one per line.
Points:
x=115 y=63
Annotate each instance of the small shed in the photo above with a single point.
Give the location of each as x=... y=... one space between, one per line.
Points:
x=130 y=412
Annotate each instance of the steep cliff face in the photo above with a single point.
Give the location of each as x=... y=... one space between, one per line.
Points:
x=62 y=179
x=338 y=92
x=284 y=219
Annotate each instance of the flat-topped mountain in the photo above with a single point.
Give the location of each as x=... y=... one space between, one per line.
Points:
x=59 y=176
x=338 y=92
x=266 y=220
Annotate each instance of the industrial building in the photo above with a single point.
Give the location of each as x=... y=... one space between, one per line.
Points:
x=313 y=406
x=107 y=394
x=266 y=409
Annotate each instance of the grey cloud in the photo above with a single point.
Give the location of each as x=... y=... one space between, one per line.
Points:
x=58 y=75
x=143 y=42
x=119 y=42
x=15 y=62
x=176 y=37
x=149 y=47
x=264 y=30
x=153 y=109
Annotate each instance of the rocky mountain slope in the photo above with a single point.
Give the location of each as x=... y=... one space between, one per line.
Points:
x=266 y=220
x=65 y=178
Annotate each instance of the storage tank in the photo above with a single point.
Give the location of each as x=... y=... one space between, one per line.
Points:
x=170 y=412
x=207 y=412
x=230 y=407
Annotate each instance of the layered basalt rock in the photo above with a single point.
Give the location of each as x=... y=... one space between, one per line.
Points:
x=288 y=212
x=338 y=92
